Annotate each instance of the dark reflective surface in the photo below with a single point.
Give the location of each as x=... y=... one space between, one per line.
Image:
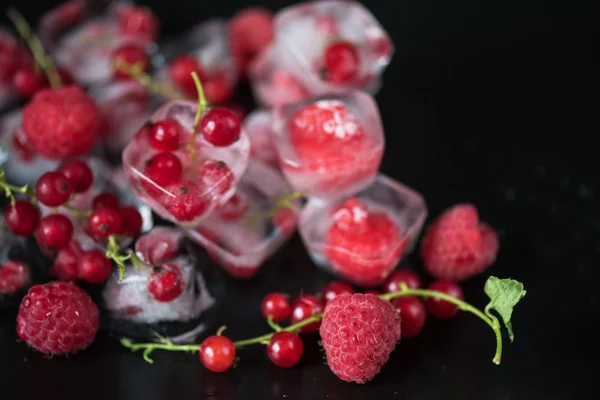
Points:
x=489 y=102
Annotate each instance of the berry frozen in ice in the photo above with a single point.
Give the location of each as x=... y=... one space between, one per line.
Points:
x=166 y=283
x=220 y=127
x=165 y=135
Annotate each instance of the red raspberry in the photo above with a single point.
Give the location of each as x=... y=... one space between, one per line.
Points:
x=216 y=176
x=363 y=247
x=184 y=200
x=57 y=318
x=166 y=283
x=250 y=32
x=359 y=332
x=305 y=307
x=14 y=275
x=457 y=246
x=61 y=122
x=22 y=218
x=66 y=262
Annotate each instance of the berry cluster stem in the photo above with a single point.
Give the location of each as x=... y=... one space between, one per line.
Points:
x=113 y=253
x=35 y=45
x=202 y=104
x=9 y=189
x=136 y=71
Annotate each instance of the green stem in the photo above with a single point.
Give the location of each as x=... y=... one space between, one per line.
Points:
x=292 y=328
x=136 y=71
x=273 y=325
x=36 y=47
x=202 y=103
x=166 y=345
x=78 y=212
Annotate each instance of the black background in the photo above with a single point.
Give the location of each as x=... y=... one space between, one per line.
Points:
x=493 y=102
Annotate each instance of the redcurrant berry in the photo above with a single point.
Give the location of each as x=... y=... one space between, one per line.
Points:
x=443 y=309
x=220 y=127
x=180 y=71
x=402 y=275
x=22 y=217
x=285 y=349
x=129 y=54
x=163 y=169
x=234 y=209
x=413 y=315
x=53 y=189
x=165 y=135
x=217 y=353
x=131 y=221
x=166 y=283
x=104 y=222
x=184 y=200
x=216 y=175
x=14 y=275
x=78 y=173
x=342 y=63
x=55 y=231
x=217 y=88
x=138 y=21
x=106 y=200
x=94 y=267
x=305 y=307
x=27 y=81
x=65 y=265
x=334 y=289
x=276 y=306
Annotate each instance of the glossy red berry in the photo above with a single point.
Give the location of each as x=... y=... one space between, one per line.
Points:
x=185 y=200
x=413 y=315
x=104 y=222
x=216 y=175
x=27 y=81
x=180 y=71
x=106 y=200
x=53 y=189
x=22 y=217
x=166 y=283
x=131 y=221
x=276 y=306
x=334 y=289
x=305 y=307
x=285 y=349
x=138 y=21
x=443 y=309
x=402 y=275
x=163 y=169
x=78 y=173
x=342 y=63
x=220 y=127
x=165 y=135
x=65 y=265
x=217 y=88
x=94 y=267
x=129 y=54
x=55 y=231
x=217 y=353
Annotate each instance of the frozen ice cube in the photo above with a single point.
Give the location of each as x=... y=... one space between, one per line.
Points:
x=259 y=128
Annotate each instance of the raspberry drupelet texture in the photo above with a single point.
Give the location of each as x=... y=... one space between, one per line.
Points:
x=57 y=318
x=359 y=332
x=61 y=122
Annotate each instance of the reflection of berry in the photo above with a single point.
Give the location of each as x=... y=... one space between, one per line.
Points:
x=413 y=314
x=217 y=353
x=184 y=200
x=443 y=309
x=78 y=173
x=285 y=349
x=359 y=332
x=216 y=176
x=57 y=318
x=53 y=189
x=14 y=275
x=94 y=267
x=166 y=283
x=276 y=306
x=22 y=217
x=220 y=127
x=55 y=231
x=304 y=307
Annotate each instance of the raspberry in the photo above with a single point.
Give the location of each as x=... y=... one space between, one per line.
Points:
x=250 y=32
x=14 y=275
x=61 y=122
x=184 y=200
x=457 y=246
x=359 y=332
x=57 y=318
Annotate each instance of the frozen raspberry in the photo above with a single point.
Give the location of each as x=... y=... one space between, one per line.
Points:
x=184 y=200
x=457 y=246
x=66 y=262
x=57 y=318
x=363 y=246
x=250 y=32
x=216 y=175
x=61 y=123
x=166 y=283
x=14 y=275
x=138 y=21
x=359 y=332
x=159 y=245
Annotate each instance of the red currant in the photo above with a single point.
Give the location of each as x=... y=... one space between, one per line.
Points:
x=129 y=54
x=163 y=169
x=334 y=289
x=216 y=175
x=184 y=200
x=78 y=173
x=165 y=135
x=22 y=147
x=27 y=81
x=104 y=222
x=220 y=127
x=22 y=217
x=53 y=189
x=138 y=21
x=217 y=353
x=305 y=307
x=180 y=71
x=413 y=315
x=94 y=267
x=55 y=231
x=285 y=349
x=106 y=200
x=166 y=283
x=14 y=275
x=131 y=221
x=440 y=308
x=342 y=62
x=65 y=265
x=234 y=209
x=276 y=306
x=217 y=88
x=402 y=275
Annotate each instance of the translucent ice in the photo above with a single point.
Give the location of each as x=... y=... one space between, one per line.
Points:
x=259 y=128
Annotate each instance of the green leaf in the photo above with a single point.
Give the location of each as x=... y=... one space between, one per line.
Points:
x=504 y=295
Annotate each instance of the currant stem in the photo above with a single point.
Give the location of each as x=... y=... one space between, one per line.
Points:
x=136 y=71
x=292 y=328
x=273 y=325
x=36 y=47
x=166 y=345
x=202 y=103
x=112 y=253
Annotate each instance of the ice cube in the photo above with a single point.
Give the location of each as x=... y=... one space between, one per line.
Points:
x=259 y=128
x=242 y=234
x=363 y=237
x=330 y=147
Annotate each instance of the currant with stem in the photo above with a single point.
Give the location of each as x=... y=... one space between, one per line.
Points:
x=136 y=71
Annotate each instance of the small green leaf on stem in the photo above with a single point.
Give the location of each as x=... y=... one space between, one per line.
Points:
x=504 y=295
